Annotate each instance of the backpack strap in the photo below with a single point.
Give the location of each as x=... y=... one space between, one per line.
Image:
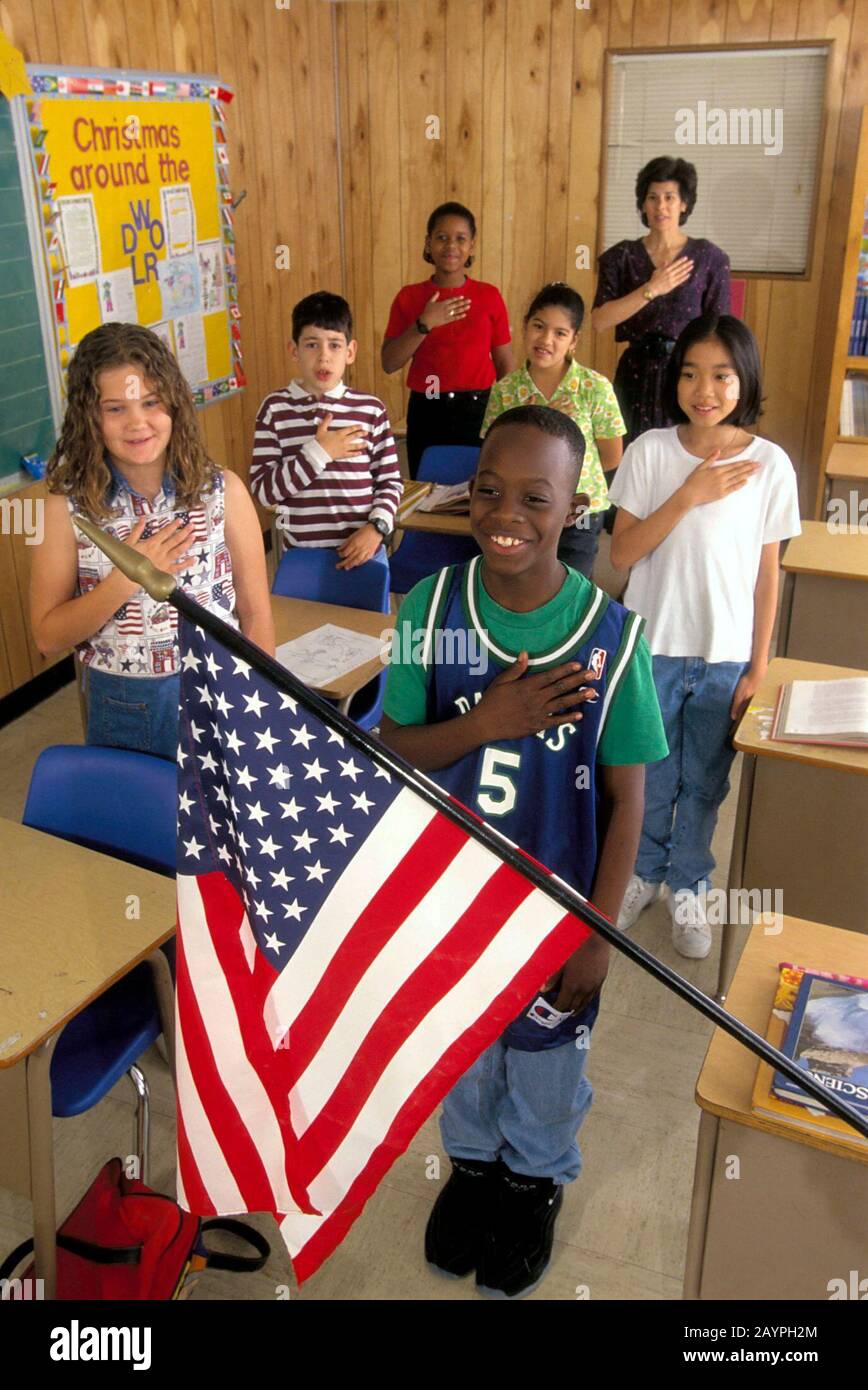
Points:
x=239 y=1264
x=15 y=1257
x=84 y=1249
x=101 y=1254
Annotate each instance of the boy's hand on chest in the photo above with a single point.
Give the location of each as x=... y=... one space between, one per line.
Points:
x=348 y=443
x=517 y=704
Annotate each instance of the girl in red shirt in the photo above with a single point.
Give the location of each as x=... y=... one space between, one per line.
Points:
x=454 y=331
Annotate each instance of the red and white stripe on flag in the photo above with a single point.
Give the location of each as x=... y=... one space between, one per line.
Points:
x=298 y=1088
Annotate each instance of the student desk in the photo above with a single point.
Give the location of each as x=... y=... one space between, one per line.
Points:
x=794 y=1217
x=801 y=817
x=433 y=522
x=846 y=472
x=293 y=617
x=824 y=615
x=64 y=938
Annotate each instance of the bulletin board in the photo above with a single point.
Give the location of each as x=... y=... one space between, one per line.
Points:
x=129 y=192
x=27 y=424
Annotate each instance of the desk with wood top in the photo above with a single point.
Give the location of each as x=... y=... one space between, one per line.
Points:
x=801 y=817
x=777 y=1211
x=65 y=937
x=437 y=523
x=293 y=617
x=846 y=472
x=824 y=614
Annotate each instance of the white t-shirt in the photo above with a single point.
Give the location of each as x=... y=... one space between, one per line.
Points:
x=695 y=590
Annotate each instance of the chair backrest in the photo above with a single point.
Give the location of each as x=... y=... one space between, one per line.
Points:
x=108 y=799
x=448 y=463
x=313 y=574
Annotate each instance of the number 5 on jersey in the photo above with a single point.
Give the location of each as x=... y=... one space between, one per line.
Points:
x=500 y=800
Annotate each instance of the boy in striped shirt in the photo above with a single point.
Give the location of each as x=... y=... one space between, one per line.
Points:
x=323 y=454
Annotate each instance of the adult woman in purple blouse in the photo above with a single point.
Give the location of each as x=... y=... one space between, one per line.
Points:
x=651 y=288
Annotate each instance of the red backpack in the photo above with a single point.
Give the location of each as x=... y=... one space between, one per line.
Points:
x=124 y=1241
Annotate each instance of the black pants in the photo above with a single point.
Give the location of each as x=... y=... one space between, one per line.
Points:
x=453 y=418
x=578 y=544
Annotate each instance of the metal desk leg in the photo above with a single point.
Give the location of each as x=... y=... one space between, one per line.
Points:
x=165 y=991
x=41 y=1142
x=786 y=613
x=736 y=871
x=703 y=1175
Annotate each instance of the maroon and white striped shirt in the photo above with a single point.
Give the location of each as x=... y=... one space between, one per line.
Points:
x=321 y=502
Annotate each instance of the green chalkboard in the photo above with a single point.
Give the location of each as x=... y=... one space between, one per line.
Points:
x=26 y=422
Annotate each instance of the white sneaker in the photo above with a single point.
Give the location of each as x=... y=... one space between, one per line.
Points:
x=637 y=897
x=691 y=934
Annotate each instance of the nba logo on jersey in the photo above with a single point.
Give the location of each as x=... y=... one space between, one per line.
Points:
x=597 y=661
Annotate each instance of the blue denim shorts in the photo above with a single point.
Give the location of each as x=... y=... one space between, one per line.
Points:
x=135 y=712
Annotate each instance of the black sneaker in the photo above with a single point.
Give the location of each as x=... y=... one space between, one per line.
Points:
x=460 y=1217
x=518 y=1247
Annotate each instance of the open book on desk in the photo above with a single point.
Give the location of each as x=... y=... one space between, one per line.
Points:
x=834 y=713
x=450 y=498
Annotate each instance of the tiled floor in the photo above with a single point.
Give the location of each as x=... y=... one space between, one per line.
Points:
x=623 y=1229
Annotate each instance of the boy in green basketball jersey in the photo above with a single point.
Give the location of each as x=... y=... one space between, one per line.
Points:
x=530 y=699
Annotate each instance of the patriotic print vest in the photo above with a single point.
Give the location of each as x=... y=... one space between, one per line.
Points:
x=141 y=638
x=540 y=791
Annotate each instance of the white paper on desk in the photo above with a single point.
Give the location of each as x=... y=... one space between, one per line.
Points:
x=321 y=657
x=829 y=707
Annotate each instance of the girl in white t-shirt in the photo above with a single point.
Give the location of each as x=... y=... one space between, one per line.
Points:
x=703 y=507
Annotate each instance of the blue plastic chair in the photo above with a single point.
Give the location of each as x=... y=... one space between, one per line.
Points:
x=448 y=463
x=123 y=804
x=312 y=574
x=422 y=553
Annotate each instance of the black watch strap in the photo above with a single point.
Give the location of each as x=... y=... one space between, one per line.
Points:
x=380 y=525
x=422 y=327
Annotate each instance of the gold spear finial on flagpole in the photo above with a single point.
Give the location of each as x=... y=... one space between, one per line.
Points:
x=137 y=567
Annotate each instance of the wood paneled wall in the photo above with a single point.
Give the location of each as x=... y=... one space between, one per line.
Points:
x=328 y=136
x=518 y=88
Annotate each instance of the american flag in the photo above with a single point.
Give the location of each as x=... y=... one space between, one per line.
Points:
x=346 y=951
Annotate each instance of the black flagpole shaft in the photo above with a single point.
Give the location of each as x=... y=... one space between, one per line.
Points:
x=566 y=897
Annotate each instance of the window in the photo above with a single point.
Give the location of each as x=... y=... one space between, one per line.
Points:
x=750 y=120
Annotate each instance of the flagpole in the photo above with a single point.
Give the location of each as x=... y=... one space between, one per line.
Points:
x=162 y=586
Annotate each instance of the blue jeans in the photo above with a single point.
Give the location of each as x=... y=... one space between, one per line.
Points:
x=521 y=1107
x=683 y=793
x=135 y=712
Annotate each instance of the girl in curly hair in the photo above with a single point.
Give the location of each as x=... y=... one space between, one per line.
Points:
x=130 y=457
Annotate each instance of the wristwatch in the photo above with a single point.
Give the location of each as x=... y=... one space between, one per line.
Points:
x=422 y=327
x=380 y=525
x=648 y=294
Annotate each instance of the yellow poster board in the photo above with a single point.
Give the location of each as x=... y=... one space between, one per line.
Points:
x=131 y=179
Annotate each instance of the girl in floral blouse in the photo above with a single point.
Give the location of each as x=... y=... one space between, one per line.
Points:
x=551 y=376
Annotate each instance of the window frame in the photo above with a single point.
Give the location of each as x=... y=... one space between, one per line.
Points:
x=610 y=54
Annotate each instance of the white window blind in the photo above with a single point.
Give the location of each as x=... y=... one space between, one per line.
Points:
x=756 y=206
